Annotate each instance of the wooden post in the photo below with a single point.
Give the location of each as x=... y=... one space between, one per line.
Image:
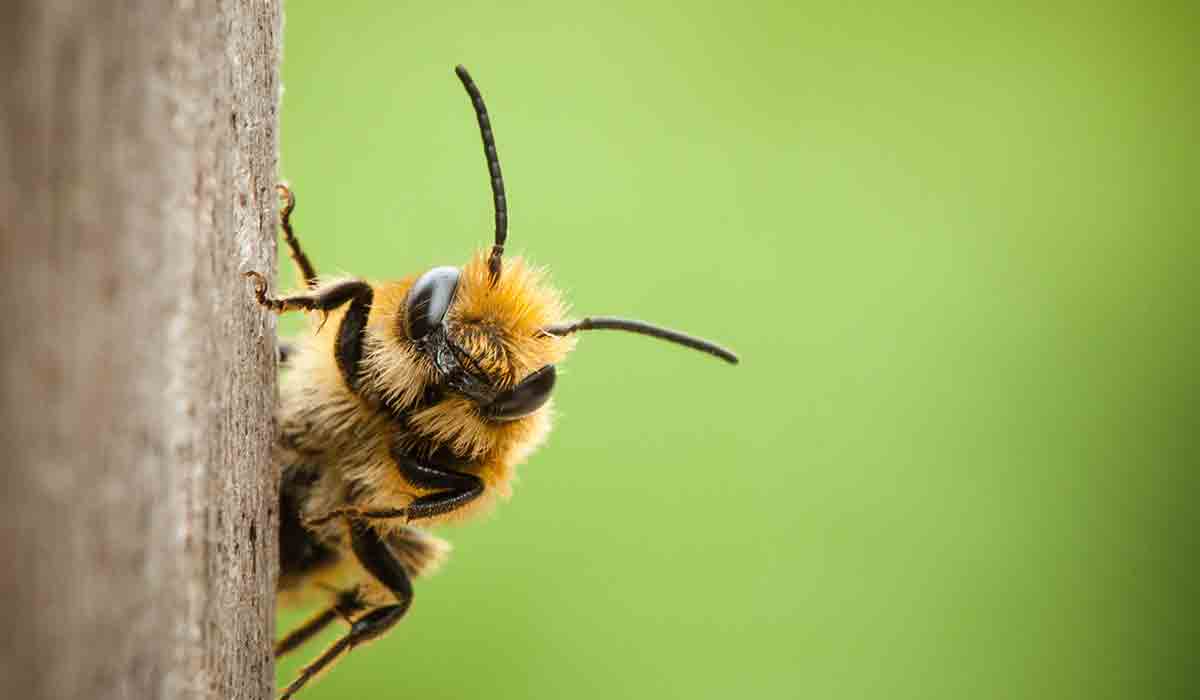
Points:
x=138 y=148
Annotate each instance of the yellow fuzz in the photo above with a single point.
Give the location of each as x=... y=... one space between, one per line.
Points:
x=352 y=433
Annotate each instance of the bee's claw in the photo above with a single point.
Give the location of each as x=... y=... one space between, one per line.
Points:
x=260 y=288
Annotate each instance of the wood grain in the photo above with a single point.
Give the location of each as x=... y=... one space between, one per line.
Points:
x=138 y=150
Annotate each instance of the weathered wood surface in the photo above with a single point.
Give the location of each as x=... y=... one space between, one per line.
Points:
x=138 y=149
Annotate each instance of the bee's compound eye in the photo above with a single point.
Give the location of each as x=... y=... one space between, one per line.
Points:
x=525 y=398
x=429 y=299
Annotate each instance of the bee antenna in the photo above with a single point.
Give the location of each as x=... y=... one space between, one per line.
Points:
x=500 y=203
x=643 y=328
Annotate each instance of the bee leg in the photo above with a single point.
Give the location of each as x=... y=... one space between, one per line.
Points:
x=303 y=266
x=456 y=490
x=325 y=298
x=348 y=348
x=355 y=513
x=459 y=488
x=347 y=604
x=375 y=556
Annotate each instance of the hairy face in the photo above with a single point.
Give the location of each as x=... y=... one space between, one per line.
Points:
x=500 y=326
x=483 y=337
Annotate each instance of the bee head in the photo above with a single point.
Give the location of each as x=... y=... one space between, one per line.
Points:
x=484 y=336
x=493 y=330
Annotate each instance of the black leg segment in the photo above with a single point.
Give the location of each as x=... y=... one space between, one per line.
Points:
x=378 y=560
x=460 y=488
x=457 y=489
x=347 y=604
x=348 y=347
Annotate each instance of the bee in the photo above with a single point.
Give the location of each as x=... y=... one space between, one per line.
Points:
x=410 y=404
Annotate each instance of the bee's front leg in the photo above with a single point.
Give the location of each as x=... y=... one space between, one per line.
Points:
x=348 y=348
x=325 y=298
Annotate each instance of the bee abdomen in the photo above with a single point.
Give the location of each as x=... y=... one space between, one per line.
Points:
x=300 y=551
x=417 y=551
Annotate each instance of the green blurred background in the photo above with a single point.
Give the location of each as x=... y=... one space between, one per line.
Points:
x=955 y=246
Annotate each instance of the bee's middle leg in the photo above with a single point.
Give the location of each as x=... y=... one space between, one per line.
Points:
x=455 y=490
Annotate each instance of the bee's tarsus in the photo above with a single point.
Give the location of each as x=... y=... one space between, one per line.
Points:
x=289 y=202
x=260 y=291
x=379 y=560
x=352 y=514
x=304 y=267
x=346 y=603
x=322 y=519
